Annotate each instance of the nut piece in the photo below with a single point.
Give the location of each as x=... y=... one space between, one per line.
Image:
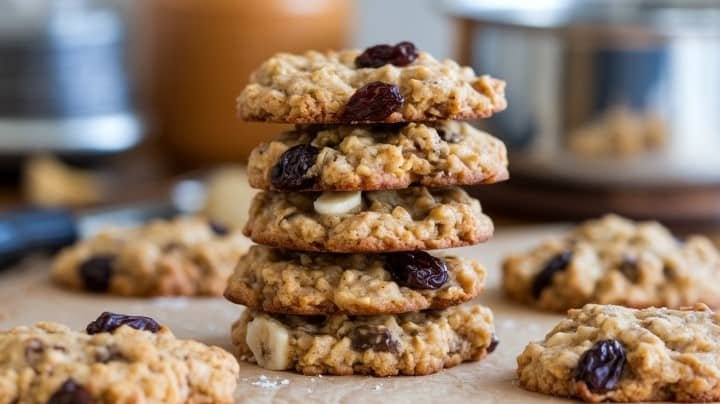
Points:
x=337 y=203
x=269 y=342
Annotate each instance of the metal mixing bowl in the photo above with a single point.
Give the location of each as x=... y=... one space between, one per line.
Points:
x=64 y=83
x=602 y=92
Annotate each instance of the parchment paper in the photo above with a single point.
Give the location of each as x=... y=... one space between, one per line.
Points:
x=26 y=297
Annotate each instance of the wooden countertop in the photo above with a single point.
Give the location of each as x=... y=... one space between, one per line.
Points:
x=26 y=297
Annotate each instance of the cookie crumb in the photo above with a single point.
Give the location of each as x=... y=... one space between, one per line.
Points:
x=266 y=383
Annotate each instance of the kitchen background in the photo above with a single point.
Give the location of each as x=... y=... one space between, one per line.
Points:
x=613 y=104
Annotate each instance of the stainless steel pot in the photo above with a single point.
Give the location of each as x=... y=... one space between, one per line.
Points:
x=611 y=92
x=64 y=85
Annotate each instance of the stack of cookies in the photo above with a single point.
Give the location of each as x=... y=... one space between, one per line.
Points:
x=351 y=198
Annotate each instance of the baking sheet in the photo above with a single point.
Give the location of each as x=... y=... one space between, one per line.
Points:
x=26 y=297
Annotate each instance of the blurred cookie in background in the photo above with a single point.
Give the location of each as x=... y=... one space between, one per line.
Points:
x=49 y=182
x=619 y=133
x=186 y=256
x=613 y=260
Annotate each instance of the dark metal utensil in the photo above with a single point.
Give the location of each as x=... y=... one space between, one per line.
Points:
x=32 y=230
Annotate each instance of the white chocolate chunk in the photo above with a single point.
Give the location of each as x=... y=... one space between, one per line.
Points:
x=337 y=203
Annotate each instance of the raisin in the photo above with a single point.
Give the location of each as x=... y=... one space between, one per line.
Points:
x=96 y=272
x=494 y=341
x=629 y=268
x=289 y=174
x=668 y=271
x=372 y=102
x=377 y=338
x=218 y=228
x=109 y=322
x=70 y=392
x=601 y=366
x=315 y=320
x=417 y=270
x=544 y=279
x=401 y=54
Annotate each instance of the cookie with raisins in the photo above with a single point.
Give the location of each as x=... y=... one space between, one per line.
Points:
x=378 y=157
x=614 y=353
x=382 y=84
x=117 y=359
x=294 y=282
x=405 y=344
x=613 y=260
x=185 y=256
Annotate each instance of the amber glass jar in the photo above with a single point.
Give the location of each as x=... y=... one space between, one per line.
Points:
x=196 y=55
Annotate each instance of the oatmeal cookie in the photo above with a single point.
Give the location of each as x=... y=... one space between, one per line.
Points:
x=284 y=281
x=183 y=257
x=613 y=260
x=409 y=344
x=368 y=158
x=318 y=88
x=620 y=133
x=416 y=218
x=52 y=363
x=606 y=352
